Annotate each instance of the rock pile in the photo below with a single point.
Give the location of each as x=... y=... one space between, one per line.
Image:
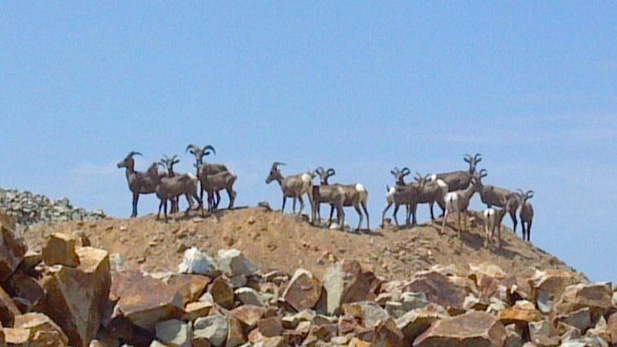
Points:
x=28 y=208
x=69 y=295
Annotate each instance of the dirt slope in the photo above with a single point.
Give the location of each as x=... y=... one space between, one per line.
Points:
x=281 y=242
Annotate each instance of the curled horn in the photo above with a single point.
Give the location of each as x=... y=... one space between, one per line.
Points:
x=206 y=148
x=529 y=194
x=483 y=173
x=132 y=153
x=418 y=176
x=331 y=172
x=467 y=158
x=477 y=158
x=405 y=171
x=319 y=170
x=276 y=164
x=395 y=171
x=175 y=160
x=193 y=148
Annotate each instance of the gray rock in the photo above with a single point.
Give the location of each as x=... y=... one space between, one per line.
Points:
x=233 y=263
x=249 y=296
x=212 y=328
x=174 y=333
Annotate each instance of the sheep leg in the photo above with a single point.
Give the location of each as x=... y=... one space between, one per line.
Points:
x=414 y=209
x=407 y=214
x=431 y=207
x=158 y=215
x=341 y=217
x=189 y=201
x=294 y=206
x=301 y=205
x=331 y=214
x=357 y=208
x=394 y=213
x=488 y=234
x=498 y=234
x=232 y=198
x=284 y=200
x=383 y=214
x=217 y=200
x=529 y=230
x=445 y=220
x=135 y=200
x=165 y=209
x=368 y=226
x=514 y=221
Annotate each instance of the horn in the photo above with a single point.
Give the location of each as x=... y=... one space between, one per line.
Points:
x=467 y=158
x=483 y=173
x=208 y=147
x=276 y=164
x=529 y=194
x=331 y=172
x=405 y=171
x=132 y=153
x=395 y=170
x=194 y=148
x=418 y=177
x=477 y=158
x=319 y=170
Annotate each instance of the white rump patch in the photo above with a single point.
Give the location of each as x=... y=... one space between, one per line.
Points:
x=390 y=192
x=306 y=178
x=433 y=177
x=360 y=187
x=489 y=212
x=192 y=176
x=451 y=197
x=442 y=184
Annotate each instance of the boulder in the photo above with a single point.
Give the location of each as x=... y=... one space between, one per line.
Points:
x=233 y=263
x=76 y=296
x=19 y=285
x=276 y=341
x=417 y=321
x=190 y=287
x=597 y=297
x=580 y=319
x=198 y=263
x=60 y=250
x=387 y=334
x=520 y=314
x=43 y=331
x=249 y=315
x=303 y=291
x=16 y=337
x=143 y=300
x=411 y=301
x=174 y=333
x=345 y=283
x=470 y=329
x=222 y=293
x=612 y=328
x=8 y=309
x=439 y=289
x=271 y=326
x=197 y=309
x=12 y=249
x=235 y=335
x=585 y=342
x=543 y=333
x=211 y=328
x=30 y=260
x=553 y=281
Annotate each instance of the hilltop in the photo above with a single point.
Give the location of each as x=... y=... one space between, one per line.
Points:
x=276 y=241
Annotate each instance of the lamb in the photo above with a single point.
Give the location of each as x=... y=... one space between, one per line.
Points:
x=168 y=164
x=139 y=182
x=526 y=213
x=458 y=201
x=292 y=186
x=496 y=196
x=492 y=219
x=460 y=180
x=325 y=193
x=172 y=187
x=213 y=183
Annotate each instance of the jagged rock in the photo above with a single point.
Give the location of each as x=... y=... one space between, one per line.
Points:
x=117 y=263
x=612 y=328
x=597 y=297
x=15 y=337
x=43 y=331
x=22 y=286
x=276 y=341
x=520 y=314
x=235 y=335
x=411 y=301
x=60 y=250
x=211 y=328
x=417 y=321
x=303 y=291
x=580 y=319
x=197 y=309
x=174 y=333
x=76 y=297
x=470 y=329
x=345 y=282
x=368 y=312
x=248 y=314
x=271 y=326
x=140 y=304
x=233 y=263
x=543 y=333
x=553 y=281
x=249 y=296
x=198 y=263
x=513 y=336
x=190 y=287
x=222 y=293
x=585 y=342
x=8 y=309
x=12 y=250
x=441 y=290
x=387 y=334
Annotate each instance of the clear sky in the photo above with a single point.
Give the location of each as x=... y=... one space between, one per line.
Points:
x=358 y=86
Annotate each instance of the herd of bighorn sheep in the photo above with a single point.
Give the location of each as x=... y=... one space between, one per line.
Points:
x=452 y=191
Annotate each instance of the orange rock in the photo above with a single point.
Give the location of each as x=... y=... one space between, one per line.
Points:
x=344 y=283
x=250 y=315
x=16 y=337
x=60 y=250
x=235 y=335
x=12 y=250
x=222 y=293
x=190 y=287
x=22 y=286
x=43 y=330
x=303 y=291
x=441 y=290
x=272 y=326
x=8 y=310
x=388 y=335
x=471 y=329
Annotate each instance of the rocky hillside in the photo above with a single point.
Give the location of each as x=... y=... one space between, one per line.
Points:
x=275 y=241
x=70 y=293
x=29 y=209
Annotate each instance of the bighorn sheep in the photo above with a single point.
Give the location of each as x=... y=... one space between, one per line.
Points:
x=168 y=164
x=169 y=188
x=431 y=192
x=500 y=197
x=139 y=182
x=459 y=180
x=206 y=168
x=399 y=175
x=292 y=186
x=492 y=220
x=325 y=193
x=401 y=195
x=213 y=183
x=356 y=195
x=526 y=213
x=458 y=201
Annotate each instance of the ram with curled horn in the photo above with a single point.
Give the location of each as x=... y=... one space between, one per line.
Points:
x=327 y=194
x=294 y=186
x=139 y=182
x=497 y=196
x=204 y=169
x=356 y=196
x=168 y=164
x=459 y=180
x=526 y=213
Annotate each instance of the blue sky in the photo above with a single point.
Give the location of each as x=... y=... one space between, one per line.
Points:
x=358 y=86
